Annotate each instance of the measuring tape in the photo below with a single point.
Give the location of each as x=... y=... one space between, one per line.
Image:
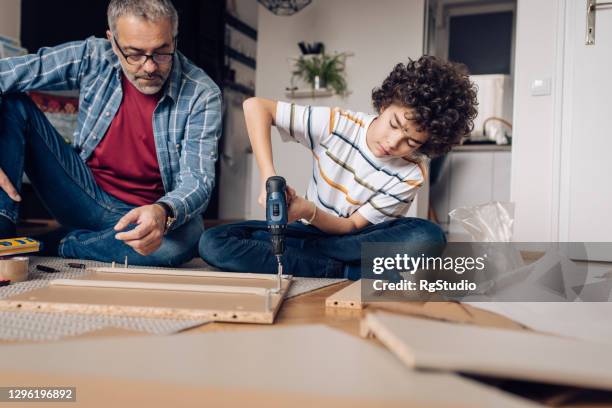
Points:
x=15 y=246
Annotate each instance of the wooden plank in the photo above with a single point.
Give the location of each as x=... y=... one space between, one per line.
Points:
x=242 y=303
x=520 y=355
x=223 y=278
x=184 y=272
x=348 y=297
x=174 y=287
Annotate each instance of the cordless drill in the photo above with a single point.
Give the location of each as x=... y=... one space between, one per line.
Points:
x=276 y=217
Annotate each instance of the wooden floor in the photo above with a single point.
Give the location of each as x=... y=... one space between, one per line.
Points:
x=309 y=308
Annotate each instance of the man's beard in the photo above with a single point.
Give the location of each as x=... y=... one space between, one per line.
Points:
x=151 y=87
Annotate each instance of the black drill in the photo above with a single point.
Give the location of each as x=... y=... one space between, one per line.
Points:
x=276 y=217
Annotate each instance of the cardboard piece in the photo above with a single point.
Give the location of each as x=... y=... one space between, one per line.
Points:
x=250 y=298
x=427 y=344
x=350 y=298
x=298 y=366
x=590 y=321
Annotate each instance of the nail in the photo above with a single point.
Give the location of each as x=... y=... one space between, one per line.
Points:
x=47 y=269
x=76 y=265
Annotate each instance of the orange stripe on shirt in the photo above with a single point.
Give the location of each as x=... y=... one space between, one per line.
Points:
x=351 y=117
x=423 y=172
x=334 y=184
x=332 y=116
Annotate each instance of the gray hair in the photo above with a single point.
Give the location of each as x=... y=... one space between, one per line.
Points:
x=150 y=10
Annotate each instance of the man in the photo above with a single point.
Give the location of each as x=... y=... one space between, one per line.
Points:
x=141 y=168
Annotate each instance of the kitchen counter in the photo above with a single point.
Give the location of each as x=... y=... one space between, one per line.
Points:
x=484 y=147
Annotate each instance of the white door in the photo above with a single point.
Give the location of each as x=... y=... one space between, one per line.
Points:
x=585 y=185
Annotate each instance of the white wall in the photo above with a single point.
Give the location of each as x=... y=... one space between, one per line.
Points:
x=532 y=185
x=10 y=18
x=380 y=34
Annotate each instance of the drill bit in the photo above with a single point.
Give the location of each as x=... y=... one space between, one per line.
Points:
x=280 y=272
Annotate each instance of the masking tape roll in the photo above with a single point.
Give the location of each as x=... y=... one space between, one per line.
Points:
x=14 y=269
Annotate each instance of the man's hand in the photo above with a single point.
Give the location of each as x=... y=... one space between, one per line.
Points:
x=7 y=186
x=146 y=238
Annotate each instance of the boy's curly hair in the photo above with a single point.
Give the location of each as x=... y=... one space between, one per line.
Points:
x=441 y=95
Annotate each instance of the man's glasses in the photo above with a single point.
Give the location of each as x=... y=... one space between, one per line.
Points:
x=141 y=59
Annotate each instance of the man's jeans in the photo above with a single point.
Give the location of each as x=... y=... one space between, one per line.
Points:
x=67 y=188
x=310 y=252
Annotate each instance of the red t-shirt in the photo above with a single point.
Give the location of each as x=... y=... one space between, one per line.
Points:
x=124 y=164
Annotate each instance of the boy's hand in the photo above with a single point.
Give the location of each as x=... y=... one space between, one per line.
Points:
x=300 y=208
x=261 y=200
x=289 y=196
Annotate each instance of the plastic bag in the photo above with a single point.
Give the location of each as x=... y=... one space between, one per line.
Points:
x=553 y=277
x=492 y=222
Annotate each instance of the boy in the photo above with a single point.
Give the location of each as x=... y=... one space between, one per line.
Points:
x=366 y=172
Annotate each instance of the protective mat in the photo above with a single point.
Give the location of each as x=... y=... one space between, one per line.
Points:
x=305 y=285
x=38 y=326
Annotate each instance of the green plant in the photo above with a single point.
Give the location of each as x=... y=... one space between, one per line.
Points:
x=329 y=69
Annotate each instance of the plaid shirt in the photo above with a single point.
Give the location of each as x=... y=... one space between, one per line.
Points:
x=186 y=122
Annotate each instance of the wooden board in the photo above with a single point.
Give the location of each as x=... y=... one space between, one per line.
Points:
x=299 y=366
x=232 y=306
x=521 y=355
x=448 y=311
x=350 y=297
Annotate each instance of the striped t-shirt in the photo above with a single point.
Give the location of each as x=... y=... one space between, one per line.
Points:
x=346 y=176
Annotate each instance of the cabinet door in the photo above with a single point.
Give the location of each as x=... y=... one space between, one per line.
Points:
x=501 y=176
x=471 y=181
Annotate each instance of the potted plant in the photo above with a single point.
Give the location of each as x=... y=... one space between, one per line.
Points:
x=322 y=71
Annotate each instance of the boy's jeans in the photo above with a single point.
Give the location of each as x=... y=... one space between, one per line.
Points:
x=309 y=252
x=67 y=188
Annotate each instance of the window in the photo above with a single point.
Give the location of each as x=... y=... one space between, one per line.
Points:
x=482 y=41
